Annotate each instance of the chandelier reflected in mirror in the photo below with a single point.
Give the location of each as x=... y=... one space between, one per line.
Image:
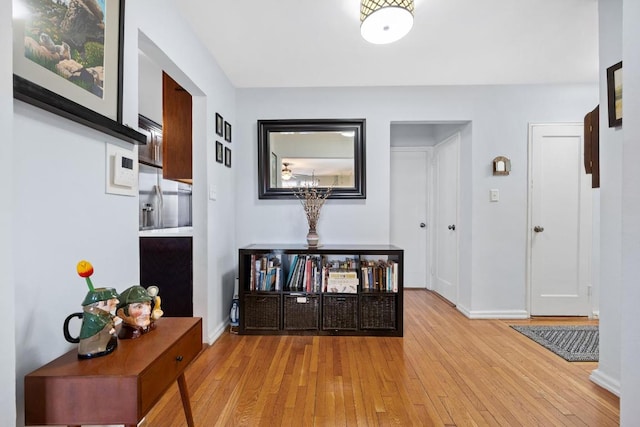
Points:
x=385 y=21
x=286 y=172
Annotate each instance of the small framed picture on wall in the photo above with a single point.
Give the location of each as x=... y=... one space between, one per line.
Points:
x=219 y=124
x=219 y=152
x=614 y=94
x=227 y=157
x=227 y=131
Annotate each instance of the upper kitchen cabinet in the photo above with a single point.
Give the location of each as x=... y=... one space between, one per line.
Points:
x=151 y=153
x=176 y=130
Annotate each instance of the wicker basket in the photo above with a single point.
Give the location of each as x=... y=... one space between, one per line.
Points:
x=261 y=312
x=378 y=311
x=340 y=312
x=301 y=312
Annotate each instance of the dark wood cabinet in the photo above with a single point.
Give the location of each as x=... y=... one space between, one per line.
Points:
x=167 y=262
x=176 y=130
x=151 y=153
x=120 y=388
x=592 y=146
x=330 y=290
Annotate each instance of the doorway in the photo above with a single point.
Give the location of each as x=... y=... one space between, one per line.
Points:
x=560 y=222
x=409 y=204
x=446 y=194
x=412 y=226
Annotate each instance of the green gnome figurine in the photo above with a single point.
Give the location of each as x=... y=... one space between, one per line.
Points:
x=97 y=334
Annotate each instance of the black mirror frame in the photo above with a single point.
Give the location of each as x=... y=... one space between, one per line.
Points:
x=265 y=127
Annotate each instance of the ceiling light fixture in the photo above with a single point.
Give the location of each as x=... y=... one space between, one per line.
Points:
x=286 y=172
x=385 y=21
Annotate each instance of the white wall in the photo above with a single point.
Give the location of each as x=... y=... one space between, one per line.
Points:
x=7 y=291
x=495 y=262
x=149 y=88
x=63 y=214
x=611 y=155
x=630 y=369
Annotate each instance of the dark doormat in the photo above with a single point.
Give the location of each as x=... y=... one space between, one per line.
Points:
x=575 y=343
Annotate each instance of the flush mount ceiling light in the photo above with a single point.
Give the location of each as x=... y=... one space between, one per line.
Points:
x=385 y=21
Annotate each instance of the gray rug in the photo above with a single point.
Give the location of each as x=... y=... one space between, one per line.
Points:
x=572 y=343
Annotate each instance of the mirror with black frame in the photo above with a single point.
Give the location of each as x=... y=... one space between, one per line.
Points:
x=319 y=152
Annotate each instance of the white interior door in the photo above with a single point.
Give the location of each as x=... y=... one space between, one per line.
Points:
x=445 y=207
x=560 y=226
x=409 y=227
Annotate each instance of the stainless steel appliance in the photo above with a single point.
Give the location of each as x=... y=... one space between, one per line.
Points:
x=163 y=203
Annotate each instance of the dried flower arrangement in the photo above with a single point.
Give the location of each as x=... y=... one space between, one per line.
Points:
x=312 y=199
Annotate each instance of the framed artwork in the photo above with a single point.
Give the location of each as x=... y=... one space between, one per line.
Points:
x=227 y=131
x=74 y=54
x=219 y=152
x=219 y=124
x=614 y=94
x=227 y=157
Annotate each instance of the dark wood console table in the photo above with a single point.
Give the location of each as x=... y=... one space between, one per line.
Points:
x=119 y=388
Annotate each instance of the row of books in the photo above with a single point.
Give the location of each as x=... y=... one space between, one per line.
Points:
x=381 y=275
x=266 y=273
x=312 y=273
x=305 y=273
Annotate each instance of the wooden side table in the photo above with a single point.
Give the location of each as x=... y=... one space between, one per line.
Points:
x=119 y=388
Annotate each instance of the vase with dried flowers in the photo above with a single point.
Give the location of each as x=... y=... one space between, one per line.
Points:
x=312 y=199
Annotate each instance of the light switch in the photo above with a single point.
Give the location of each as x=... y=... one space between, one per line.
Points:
x=213 y=193
x=494 y=195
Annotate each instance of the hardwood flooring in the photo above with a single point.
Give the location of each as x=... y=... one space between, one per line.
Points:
x=447 y=370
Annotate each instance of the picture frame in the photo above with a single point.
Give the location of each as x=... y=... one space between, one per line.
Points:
x=77 y=75
x=219 y=152
x=227 y=157
x=219 y=125
x=614 y=94
x=227 y=131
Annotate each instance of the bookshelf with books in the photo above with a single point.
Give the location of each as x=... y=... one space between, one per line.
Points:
x=330 y=290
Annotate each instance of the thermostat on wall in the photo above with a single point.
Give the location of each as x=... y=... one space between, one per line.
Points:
x=122 y=171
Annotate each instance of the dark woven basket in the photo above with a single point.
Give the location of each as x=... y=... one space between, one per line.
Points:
x=378 y=311
x=339 y=312
x=301 y=312
x=261 y=312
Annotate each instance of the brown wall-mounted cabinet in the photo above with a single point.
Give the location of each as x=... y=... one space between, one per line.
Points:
x=592 y=146
x=176 y=130
x=151 y=153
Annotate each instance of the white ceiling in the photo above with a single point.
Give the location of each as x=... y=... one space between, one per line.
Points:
x=308 y=43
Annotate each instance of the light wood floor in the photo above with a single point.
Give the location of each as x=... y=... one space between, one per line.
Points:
x=446 y=370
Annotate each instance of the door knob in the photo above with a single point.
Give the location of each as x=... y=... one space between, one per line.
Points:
x=538 y=229
x=423 y=225
x=452 y=227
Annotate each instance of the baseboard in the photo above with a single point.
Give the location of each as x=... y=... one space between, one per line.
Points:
x=217 y=333
x=493 y=314
x=595 y=314
x=605 y=381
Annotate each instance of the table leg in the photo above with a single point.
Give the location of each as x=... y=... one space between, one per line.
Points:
x=186 y=402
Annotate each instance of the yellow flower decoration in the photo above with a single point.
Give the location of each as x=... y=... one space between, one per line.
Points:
x=85 y=269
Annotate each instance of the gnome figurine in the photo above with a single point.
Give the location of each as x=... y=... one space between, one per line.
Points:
x=97 y=334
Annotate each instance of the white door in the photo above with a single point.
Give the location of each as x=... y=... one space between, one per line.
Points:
x=409 y=227
x=560 y=221
x=445 y=207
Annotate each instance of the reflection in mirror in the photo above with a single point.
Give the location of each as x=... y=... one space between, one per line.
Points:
x=301 y=153
x=305 y=159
